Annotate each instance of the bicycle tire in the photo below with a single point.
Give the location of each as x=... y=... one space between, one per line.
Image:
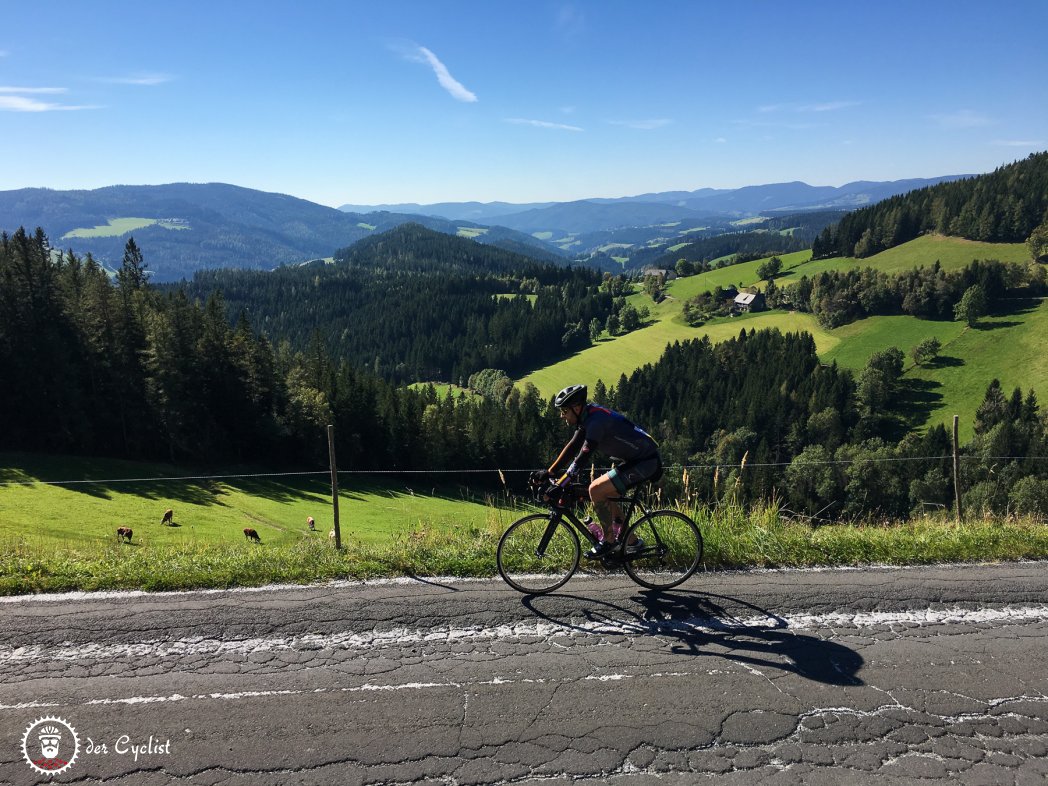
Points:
x=523 y=568
x=672 y=549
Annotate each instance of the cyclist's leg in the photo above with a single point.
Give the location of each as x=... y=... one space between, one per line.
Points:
x=623 y=478
x=602 y=491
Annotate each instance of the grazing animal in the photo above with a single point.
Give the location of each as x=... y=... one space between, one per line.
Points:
x=124 y=533
x=250 y=534
x=312 y=524
x=169 y=517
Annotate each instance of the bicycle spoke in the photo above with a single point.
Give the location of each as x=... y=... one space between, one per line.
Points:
x=671 y=550
x=533 y=558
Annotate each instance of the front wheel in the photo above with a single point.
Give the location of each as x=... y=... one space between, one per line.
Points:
x=671 y=552
x=538 y=554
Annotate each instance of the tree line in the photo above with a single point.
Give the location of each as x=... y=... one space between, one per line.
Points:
x=1009 y=205
x=838 y=297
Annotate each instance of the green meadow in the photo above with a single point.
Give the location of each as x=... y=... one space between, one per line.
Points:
x=1008 y=346
x=56 y=538
x=122 y=226
x=95 y=496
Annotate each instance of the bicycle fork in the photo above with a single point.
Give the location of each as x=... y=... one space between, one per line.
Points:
x=547 y=536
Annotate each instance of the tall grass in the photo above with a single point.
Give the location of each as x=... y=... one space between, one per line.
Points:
x=735 y=537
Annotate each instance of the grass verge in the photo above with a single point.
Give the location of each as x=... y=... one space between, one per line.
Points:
x=734 y=538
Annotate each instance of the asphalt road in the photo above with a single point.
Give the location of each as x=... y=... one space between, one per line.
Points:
x=893 y=676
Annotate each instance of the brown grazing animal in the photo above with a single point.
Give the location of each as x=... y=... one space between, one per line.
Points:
x=250 y=534
x=312 y=524
x=124 y=533
x=169 y=517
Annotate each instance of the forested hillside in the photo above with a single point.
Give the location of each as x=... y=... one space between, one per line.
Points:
x=101 y=368
x=413 y=304
x=1005 y=206
x=747 y=245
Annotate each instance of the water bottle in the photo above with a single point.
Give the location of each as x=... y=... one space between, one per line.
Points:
x=594 y=527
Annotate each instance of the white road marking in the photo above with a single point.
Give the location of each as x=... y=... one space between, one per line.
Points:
x=398 y=637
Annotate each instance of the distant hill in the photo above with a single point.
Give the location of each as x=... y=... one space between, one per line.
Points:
x=483 y=212
x=412 y=303
x=185 y=227
x=634 y=211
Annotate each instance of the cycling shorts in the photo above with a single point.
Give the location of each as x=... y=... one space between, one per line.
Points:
x=633 y=473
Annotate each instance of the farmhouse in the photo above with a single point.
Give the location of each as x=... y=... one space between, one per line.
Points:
x=664 y=275
x=748 y=301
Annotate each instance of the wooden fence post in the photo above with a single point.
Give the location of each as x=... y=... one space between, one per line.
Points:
x=334 y=484
x=957 y=472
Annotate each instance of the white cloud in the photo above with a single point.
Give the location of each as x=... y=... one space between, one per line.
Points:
x=18 y=99
x=962 y=118
x=541 y=124
x=828 y=106
x=643 y=125
x=146 y=80
x=1033 y=143
x=570 y=22
x=720 y=140
x=444 y=77
x=824 y=106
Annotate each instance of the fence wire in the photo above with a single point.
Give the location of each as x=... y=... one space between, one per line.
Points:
x=495 y=471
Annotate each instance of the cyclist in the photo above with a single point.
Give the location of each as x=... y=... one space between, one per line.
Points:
x=635 y=457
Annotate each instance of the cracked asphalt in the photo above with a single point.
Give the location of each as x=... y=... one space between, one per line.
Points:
x=767 y=677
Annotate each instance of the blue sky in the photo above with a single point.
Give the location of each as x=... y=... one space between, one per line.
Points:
x=411 y=101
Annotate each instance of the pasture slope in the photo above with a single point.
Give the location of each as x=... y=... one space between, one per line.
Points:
x=1005 y=344
x=213 y=511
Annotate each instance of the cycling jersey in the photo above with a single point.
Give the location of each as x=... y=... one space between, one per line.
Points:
x=612 y=434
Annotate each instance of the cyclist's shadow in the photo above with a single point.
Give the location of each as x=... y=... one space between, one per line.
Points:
x=702 y=625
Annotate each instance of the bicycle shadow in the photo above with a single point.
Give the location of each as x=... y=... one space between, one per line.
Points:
x=699 y=625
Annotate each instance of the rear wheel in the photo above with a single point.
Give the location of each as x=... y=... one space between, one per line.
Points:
x=537 y=555
x=672 y=549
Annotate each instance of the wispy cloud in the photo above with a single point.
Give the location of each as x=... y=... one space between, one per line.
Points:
x=146 y=80
x=643 y=125
x=33 y=90
x=21 y=99
x=542 y=124
x=825 y=106
x=1038 y=143
x=962 y=118
x=789 y=125
x=419 y=54
x=570 y=22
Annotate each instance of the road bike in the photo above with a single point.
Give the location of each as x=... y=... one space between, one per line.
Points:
x=540 y=552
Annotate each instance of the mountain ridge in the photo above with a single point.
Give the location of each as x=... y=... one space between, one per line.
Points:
x=794 y=195
x=219 y=225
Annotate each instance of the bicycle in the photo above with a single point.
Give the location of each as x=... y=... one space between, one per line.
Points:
x=540 y=552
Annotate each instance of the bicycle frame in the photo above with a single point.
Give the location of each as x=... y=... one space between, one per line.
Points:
x=559 y=512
